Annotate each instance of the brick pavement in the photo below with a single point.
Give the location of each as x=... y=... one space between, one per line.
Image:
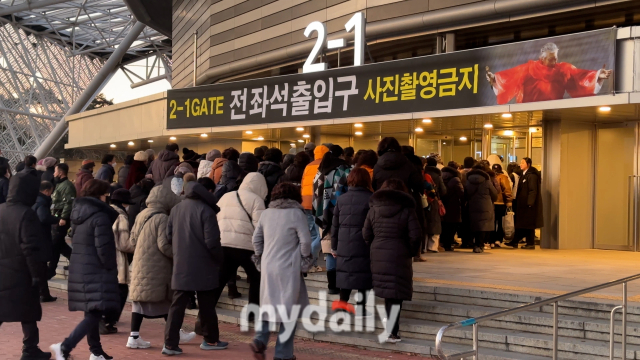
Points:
x=58 y=322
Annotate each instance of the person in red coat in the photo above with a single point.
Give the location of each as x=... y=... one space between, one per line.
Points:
x=545 y=79
x=84 y=175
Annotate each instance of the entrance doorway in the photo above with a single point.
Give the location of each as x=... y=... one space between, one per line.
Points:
x=616 y=187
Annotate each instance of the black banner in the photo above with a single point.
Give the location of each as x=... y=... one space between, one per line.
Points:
x=546 y=69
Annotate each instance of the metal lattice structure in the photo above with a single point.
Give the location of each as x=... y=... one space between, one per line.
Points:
x=49 y=52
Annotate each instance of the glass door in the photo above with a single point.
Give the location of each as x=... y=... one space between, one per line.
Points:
x=616 y=187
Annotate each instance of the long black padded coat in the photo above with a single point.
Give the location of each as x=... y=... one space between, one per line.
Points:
x=93 y=270
x=42 y=207
x=454 y=197
x=480 y=195
x=19 y=239
x=393 y=232
x=353 y=263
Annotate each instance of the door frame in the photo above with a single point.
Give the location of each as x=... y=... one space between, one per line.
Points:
x=633 y=185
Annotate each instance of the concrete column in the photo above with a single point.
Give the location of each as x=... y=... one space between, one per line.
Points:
x=552 y=156
x=450 y=42
x=99 y=81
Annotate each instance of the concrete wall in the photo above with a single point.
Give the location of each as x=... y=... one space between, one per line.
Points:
x=230 y=30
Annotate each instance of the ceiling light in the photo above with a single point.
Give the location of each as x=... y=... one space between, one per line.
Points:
x=444 y=143
x=604 y=108
x=293 y=144
x=299 y=129
x=150 y=140
x=463 y=138
x=112 y=145
x=507 y=115
x=248 y=132
x=260 y=138
x=488 y=126
x=533 y=129
x=306 y=136
x=426 y=121
x=203 y=135
x=418 y=129
x=357 y=125
x=508 y=133
x=172 y=138
x=358 y=133
x=130 y=143
x=300 y=141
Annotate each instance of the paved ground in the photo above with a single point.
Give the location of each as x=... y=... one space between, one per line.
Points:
x=58 y=323
x=542 y=271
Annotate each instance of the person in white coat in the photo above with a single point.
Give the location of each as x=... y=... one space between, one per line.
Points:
x=238 y=218
x=204 y=168
x=282 y=243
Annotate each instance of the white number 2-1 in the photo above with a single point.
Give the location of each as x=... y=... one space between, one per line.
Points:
x=356 y=22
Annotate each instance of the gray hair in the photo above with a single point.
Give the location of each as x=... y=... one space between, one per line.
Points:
x=548 y=48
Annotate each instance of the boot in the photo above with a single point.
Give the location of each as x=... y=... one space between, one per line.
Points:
x=35 y=354
x=331 y=278
x=233 y=292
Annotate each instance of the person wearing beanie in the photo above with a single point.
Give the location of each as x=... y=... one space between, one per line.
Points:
x=204 y=168
x=177 y=182
x=50 y=165
x=84 y=174
x=137 y=170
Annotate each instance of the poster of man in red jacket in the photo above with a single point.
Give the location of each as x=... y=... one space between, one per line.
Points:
x=545 y=79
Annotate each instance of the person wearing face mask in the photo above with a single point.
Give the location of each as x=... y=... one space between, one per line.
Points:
x=93 y=275
x=62 y=199
x=107 y=171
x=120 y=201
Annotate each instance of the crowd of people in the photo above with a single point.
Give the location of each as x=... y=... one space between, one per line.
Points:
x=166 y=232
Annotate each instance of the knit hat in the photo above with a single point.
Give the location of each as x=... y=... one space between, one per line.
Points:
x=141 y=156
x=184 y=168
x=122 y=195
x=309 y=146
x=49 y=162
x=88 y=164
x=213 y=154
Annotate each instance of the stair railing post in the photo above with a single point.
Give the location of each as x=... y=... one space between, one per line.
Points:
x=475 y=342
x=555 y=330
x=624 y=321
x=612 y=334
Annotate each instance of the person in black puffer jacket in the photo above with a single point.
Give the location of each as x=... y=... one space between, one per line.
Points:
x=93 y=273
x=271 y=170
x=353 y=262
x=231 y=170
x=393 y=232
x=139 y=193
x=42 y=208
x=294 y=172
x=480 y=195
x=452 y=201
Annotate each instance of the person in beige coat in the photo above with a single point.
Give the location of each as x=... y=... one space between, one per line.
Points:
x=152 y=265
x=504 y=201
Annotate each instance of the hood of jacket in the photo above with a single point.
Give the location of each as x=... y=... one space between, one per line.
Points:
x=161 y=199
x=195 y=191
x=392 y=160
x=84 y=172
x=268 y=168
x=218 y=163
x=391 y=202
x=86 y=207
x=432 y=170
x=285 y=204
x=319 y=152
x=477 y=177
x=449 y=172
x=248 y=162
x=166 y=155
x=255 y=183
x=331 y=163
x=24 y=188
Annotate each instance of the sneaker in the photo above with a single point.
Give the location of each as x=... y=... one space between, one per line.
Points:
x=107 y=329
x=529 y=247
x=220 y=345
x=487 y=247
x=35 y=354
x=185 y=337
x=137 y=343
x=101 y=356
x=393 y=339
x=46 y=299
x=478 y=250
x=171 y=352
x=419 y=259
x=57 y=353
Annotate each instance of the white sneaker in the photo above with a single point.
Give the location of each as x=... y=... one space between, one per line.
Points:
x=137 y=343
x=487 y=247
x=56 y=351
x=185 y=337
x=390 y=340
x=93 y=357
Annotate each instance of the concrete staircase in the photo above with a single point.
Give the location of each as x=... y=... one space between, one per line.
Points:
x=583 y=323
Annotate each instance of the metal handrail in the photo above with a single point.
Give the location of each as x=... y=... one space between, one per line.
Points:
x=475 y=321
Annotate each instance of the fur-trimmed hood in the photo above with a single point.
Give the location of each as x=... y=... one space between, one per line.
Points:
x=449 y=172
x=432 y=170
x=477 y=176
x=285 y=204
x=391 y=202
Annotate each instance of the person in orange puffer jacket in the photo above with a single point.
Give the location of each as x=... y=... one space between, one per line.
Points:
x=307 y=200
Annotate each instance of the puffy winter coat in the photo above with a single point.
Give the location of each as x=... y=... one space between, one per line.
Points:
x=330 y=183
x=393 y=232
x=47 y=175
x=139 y=200
x=272 y=173
x=204 y=168
x=63 y=198
x=505 y=196
x=353 y=263
x=309 y=175
x=152 y=264
x=106 y=173
x=480 y=195
x=123 y=173
x=528 y=204
x=93 y=270
x=42 y=208
x=136 y=173
x=231 y=172
x=19 y=247
x=216 y=169
x=236 y=228
x=248 y=162
x=193 y=231
x=454 y=197
x=82 y=177
x=164 y=165
x=123 y=246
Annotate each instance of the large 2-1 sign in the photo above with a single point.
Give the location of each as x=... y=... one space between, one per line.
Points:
x=356 y=22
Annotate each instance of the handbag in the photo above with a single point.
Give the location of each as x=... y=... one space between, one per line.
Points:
x=425 y=201
x=326 y=244
x=441 y=208
x=508 y=224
